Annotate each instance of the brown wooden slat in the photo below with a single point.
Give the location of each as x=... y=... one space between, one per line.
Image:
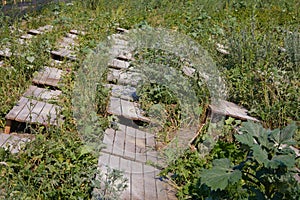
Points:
x=114 y=106
x=41 y=76
x=150 y=186
x=43 y=117
x=27 y=109
x=30 y=92
x=76 y=32
x=118 y=148
x=34 y=32
x=118 y=64
x=35 y=112
x=128 y=110
x=137 y=181
x=161 y=187
x=17 y=109
x=125 y=166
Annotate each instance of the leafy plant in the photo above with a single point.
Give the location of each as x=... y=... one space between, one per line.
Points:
x=268 y=169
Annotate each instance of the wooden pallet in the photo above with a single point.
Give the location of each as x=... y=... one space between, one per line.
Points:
x=48 y=76
x=62 y=54
x=34 y=92
x=118 y=64
x=34 y=112
x=124 y=92
x=124 y=77
x=126 y=109
x=5 y=53
x=77 y=32
x=230 y=109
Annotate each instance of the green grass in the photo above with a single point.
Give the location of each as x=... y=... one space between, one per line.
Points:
x=258 y=76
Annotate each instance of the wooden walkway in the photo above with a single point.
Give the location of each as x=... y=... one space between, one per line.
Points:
x=37 y=104
x=128 y=148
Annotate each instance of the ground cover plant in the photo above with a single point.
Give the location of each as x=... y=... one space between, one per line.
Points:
x=262 y=74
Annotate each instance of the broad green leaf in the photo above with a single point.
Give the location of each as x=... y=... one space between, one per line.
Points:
x=236 y=175
x=275 y=136
x=252 y=128
x=286 y=160
x=286 y=135
x=245 y=138
x=215 y=178
x=220 y=175
x=260 y=155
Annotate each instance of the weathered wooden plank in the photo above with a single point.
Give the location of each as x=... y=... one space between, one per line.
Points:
x=67 y=42
x=114 y=107
x=125 y=166
x=113 y=75
x=150 y=185
x=26 y=36
x=41 y=75
x=48 y=76
x=54 y=115
x=17 y=109
x=230 y=109
x=54 y=77
x=114 y=162
x=140 y=149
x=44 y=117
x=123 y=92
x=161 y=187
x=119 y=142
x=61 y=54
x=122 y=30
x=108 y=140
x=137 y=183
x=5 y=52
x=77 y=32
x=188 y=71
x=222 y=49
x=128 y=110
x=121 y=54
x=27 y=109
x=45 y=28
x=118 y=64
x=30 y=92
x=35 y=112
x=73 y=36
x=129 y=149
x=34 y=32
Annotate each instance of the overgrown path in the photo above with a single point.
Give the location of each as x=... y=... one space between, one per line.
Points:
x=128 y=148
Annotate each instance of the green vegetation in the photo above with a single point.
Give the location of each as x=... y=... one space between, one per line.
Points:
x=259 y=74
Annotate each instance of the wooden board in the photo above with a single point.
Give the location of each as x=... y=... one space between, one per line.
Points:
x=123 y=77
x=77 y=32
x=121 y=54
x=230 y=109
x=123 y=91
x=34 y=32
x=26 y=36
x=5 y=52
x=118 y=64
x=62 y=54
x=67 y=42
x=41 y=93
x=188 y=71
x=70 y=35
x=32 y=111
x=122 y=30
x=48 y=76
x=127 y=109
x=45 y=28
